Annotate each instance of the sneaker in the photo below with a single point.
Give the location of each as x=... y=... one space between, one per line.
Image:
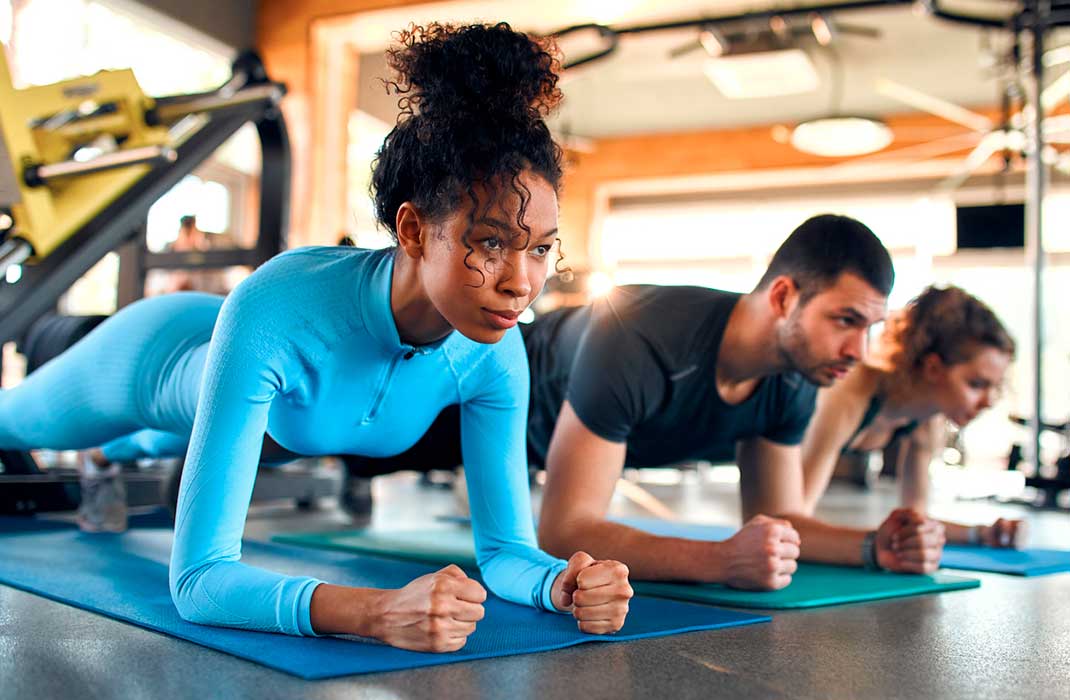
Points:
x=103 y=505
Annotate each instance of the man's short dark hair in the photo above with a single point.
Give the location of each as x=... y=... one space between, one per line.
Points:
x=826 y=246
x=187 y=221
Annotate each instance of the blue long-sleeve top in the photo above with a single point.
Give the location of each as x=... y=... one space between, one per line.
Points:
x=306 y=350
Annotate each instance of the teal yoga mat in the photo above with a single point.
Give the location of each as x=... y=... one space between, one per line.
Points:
x=125 y=577
x=814 y=585
x=1014 y=562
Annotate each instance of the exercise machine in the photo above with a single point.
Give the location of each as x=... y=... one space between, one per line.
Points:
x=81 y=163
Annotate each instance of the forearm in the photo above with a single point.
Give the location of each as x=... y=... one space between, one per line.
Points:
x=914 y=482
x=520 y=573
x=344 y=610
x=232 y=594
x=826 y=543
x=914 y=454
x=957 y=533
x=648 y=557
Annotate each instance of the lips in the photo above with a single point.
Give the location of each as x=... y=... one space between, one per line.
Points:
x=502 y=318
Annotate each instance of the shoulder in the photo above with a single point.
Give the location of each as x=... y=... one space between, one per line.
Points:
x=295 y=276
x=316 y=260
x=655 y=301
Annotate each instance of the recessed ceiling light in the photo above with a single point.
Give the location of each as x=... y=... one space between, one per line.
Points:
x=765 y=74
x=841 y=136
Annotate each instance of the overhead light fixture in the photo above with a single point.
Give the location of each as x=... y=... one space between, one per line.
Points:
x=841 y=136
x=765 y=74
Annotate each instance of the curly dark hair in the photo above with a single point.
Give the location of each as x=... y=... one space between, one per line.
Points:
x=472 y=102
x=947 y=321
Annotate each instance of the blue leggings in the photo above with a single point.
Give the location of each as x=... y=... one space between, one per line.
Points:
x=131 y=385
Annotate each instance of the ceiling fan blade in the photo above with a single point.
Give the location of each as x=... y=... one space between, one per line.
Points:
x=1056 y=92
x=992 y=143
x=919 y=151
x=684 y=49
x=858 y=30
x=934 y=105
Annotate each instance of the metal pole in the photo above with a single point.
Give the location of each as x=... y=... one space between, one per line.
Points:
x=1035 y=188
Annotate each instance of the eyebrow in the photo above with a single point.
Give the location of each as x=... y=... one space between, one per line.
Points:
x=852 y=312
x=499 y=224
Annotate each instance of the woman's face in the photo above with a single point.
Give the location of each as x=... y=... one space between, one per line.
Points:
x=481 y=292
x=965 y=389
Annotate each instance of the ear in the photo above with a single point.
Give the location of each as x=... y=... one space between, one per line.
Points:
x=410 y=229
x=782 y=295
x=932 y=367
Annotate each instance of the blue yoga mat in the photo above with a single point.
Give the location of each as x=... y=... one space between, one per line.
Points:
x=1024 y=562
x=125 y=577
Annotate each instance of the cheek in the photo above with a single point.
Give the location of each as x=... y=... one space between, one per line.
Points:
x=537 y=277
x=964 y=396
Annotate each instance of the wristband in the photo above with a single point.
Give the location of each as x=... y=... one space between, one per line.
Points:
x=869 y=551
x=973 y=534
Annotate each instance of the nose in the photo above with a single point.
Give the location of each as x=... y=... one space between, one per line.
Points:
x=855 y=347
x=514 y=279
x=988 y=397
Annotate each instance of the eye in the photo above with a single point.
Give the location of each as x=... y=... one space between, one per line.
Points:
x=492 y=244
x=542 y=251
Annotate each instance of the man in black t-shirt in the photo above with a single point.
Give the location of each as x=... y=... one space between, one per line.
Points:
x=656 y=375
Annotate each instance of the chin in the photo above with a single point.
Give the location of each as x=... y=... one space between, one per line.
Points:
x=819 y=378
x=482 y=334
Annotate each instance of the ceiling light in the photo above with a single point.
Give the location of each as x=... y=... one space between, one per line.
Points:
x=765 y=74
x=841 y=136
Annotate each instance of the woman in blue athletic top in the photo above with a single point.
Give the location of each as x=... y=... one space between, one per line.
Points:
x=942 y=358
x=342 y=350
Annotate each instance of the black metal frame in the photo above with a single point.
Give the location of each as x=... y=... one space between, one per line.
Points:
x=25 y=488
x=42 y=284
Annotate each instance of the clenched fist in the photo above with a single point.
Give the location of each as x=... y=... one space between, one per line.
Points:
x=909 y=542
x=595 y=592
x=435 y=612
x=761 y=556
x=1004 y=533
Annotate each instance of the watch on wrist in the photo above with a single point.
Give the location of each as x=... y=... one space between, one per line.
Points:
x=869 y=551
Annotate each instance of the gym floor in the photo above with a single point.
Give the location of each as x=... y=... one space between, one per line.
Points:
x=1008 y=638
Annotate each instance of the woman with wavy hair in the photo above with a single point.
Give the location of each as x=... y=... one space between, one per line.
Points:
x=942 y=357
x=335 y=350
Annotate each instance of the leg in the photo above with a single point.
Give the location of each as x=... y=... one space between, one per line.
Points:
x=139 y=369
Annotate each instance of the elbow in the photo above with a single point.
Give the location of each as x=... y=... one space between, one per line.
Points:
x=184 y=587
x=551 y=540
x=186 y=608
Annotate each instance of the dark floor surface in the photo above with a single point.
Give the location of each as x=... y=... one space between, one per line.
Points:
x=1009 y=638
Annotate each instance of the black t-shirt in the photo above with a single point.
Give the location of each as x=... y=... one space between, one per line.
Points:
x=639 y=366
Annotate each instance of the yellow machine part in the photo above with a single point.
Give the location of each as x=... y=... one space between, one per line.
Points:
x=47 y=215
